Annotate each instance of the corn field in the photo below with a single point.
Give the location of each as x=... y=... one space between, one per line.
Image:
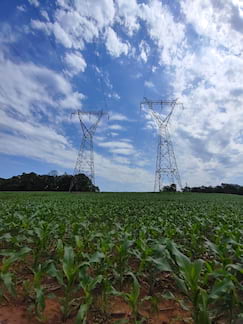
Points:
x=122 y=257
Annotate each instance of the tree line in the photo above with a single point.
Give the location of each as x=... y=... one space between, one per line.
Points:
x=225 y=188
x=51 y=182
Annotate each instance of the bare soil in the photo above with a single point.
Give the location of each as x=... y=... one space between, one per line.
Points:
x=118 y=309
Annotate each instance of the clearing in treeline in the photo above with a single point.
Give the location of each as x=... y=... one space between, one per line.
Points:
x=121 y=258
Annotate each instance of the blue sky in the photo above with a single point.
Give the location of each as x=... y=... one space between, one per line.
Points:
x=59 y=56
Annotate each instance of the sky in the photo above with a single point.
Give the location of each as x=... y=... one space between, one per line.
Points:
x=60 y=56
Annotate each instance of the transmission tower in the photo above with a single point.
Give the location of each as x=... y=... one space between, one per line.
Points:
x=166 y=167
x=89 y=121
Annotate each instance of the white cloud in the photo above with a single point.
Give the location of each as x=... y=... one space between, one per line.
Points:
x=59 y=32
x=167 y=34
x=6 y=36
x=123 y=147
x=34 y=3
x=219 y=21
x=75 y=62
x=116 y=127
x=100 y=138
x=74 y=25
x=21 y=8
x=114 y=134
x=78 y=23
x=149 y=84
x=121 y=160
x=72 y=101
x=116 y=144
x=117 y=116
x=29 y=88
x=137 y=75
x=44 y=13
x=144 y=51
x=209 y=80
x=81 y=22
x=37 y=147
x=37 y=24
x=128 y=11
x=134 y=178
x=114 y=45
x=114 y=95
x=30 y=129
x=121 y=150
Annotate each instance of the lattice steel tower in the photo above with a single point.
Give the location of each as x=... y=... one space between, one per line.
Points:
x=89 y=121
x=166 y=167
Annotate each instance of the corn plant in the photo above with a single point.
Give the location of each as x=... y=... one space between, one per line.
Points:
x=6 y=276
x=225 y=293
x=188 y=279
x=88 y=284
x=143 y=253
x=122 y=250
x=67 y=278
x=132 y=298
x=35 y=290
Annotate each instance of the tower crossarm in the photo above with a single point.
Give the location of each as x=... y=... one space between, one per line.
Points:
x=82 y=114
x=151 y=104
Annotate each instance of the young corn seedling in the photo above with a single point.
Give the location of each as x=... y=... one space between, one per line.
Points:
x=42 y=233
x=143 y=253
x=68 y=278
x=225 y=293
x=36 y=292
x=188 y=280
x=88 y=284
x=6 y=282
x=79 y=244
x=102 y=263
x=160 y=261
x=6 y=277
x=106 y=291
x=122 y=258
x=59 y=249
x=132 y=298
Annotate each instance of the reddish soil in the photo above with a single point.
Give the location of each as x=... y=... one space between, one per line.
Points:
x=15 y=315
x=18 y=314
x=168 y=312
